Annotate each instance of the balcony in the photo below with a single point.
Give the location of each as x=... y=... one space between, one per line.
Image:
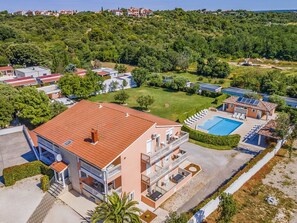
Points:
x=93 y=191
x=117 y=190
x=48 y=146
x=158 y=194
x=114 y=170
x=162 y=171
x=91 y=170
x=174 y=143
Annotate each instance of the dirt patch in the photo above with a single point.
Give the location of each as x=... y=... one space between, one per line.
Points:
x=253 y=208
x=148 y=216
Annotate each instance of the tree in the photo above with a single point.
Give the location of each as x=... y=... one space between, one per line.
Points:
x=124 y=83
x=33 y=106
x=252 y=95
x=281 y=103
x=140 y=75
x=173 y=217
x=27 y=54
x=178 y=83
x=213 y=67
x=227 y=208
x=69 y=84
x=57 y=108
x=70 y=68
x=144 y=101
x=116 y=210
x=121 y=68
x=6 y=112
x=121 y=96
x=282 y=124
x=113 y=85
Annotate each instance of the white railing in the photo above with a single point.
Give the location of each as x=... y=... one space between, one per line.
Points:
x=113 y=171
x=117 y=190
x=48 y=145
x=154 y=157
x=93 y=170
x=93 y=191
x=154 y=177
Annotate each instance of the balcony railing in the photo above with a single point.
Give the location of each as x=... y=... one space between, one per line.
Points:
x=93 y=191
x=113 y=171
x=47 y=145
x=117 y=190
x=92 y=170
x=155 y=156
x=155 y=176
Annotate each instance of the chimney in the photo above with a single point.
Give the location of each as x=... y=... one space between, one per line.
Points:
x=94 y=134
x=127 y=114
x=100 y=106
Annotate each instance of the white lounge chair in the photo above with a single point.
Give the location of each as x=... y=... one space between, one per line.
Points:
x=238 y=115
x=242 y=117
x=234 y=115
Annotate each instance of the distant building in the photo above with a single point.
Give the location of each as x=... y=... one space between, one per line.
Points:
x=117 y=12
x=80 y=72
x=22 y=81
x=234 y=91
x=104 y=71
x=210 y=87
x=52 y=91
x=19 y=13
x=134 y=12
x=35 y=71
x=51 y=79
x=6 y=71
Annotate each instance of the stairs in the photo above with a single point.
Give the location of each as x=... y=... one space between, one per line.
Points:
x=46 y=203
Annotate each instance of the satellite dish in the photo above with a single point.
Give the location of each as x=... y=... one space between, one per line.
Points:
x=59 y=158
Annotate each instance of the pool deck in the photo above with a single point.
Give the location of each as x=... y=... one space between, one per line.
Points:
x=243 y=130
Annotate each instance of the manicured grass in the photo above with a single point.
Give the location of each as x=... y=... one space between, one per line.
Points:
x=168 y=104
x=210 y=146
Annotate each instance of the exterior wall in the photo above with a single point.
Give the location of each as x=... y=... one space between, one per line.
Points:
x=132 y=164
x=252 y=113
x=33 y=73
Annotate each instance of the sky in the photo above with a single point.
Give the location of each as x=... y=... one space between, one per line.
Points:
x=95 y=5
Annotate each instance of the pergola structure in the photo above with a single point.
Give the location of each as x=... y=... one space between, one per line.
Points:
x=268 y=131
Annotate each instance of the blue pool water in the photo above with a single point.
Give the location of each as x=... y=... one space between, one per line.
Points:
x=220 y=126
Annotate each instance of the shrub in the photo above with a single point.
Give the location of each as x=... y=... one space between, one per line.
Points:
x=15 y=173
x=229 y=140
x=44 y=181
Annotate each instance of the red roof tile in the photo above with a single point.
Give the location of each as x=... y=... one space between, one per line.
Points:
x=49 y=78
x=21 y=81
x=116 y=130
x=102 y=73
x=7 y=68
x=33 y=137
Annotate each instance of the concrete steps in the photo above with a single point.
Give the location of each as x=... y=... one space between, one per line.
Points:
x=46 y=204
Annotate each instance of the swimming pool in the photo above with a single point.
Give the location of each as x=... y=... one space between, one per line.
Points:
x=220 y=126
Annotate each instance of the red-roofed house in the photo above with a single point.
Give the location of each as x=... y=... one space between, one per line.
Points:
x=53 y=78
x=105 y=148
x=249 y=107
x=6 y=71
x=80 y=72
x=22 y=81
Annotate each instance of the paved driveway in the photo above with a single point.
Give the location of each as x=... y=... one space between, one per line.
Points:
x=217 y=167
x=14 y=150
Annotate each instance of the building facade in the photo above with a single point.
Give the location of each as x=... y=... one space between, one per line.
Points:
x=32 y=72
x=105 y=148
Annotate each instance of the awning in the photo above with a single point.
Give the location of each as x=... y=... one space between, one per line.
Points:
x=58 y=166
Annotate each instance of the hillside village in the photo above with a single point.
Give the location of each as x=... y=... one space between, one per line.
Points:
x=163 y=132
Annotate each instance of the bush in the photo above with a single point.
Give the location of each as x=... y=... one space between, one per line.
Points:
x=210 y=94
x=44 y=181
x=15 y=173
x=229 y=140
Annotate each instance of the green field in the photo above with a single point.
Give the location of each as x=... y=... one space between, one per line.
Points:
x=168 y=104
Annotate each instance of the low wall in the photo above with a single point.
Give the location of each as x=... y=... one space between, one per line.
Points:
x=11 y=130
x=236 y=185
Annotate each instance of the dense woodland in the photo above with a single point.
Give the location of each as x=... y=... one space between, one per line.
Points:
x=166 y=41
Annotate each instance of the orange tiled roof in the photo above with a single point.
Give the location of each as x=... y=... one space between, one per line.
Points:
x=33 y=137
x=116 y=130
x=58 y=166
x=263 y=105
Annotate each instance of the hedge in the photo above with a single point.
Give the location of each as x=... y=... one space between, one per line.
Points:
x=231 y=180
x=229 y=140
x=44 y=181
x=15 y=173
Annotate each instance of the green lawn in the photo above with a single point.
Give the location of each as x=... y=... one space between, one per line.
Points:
x=168 y=104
